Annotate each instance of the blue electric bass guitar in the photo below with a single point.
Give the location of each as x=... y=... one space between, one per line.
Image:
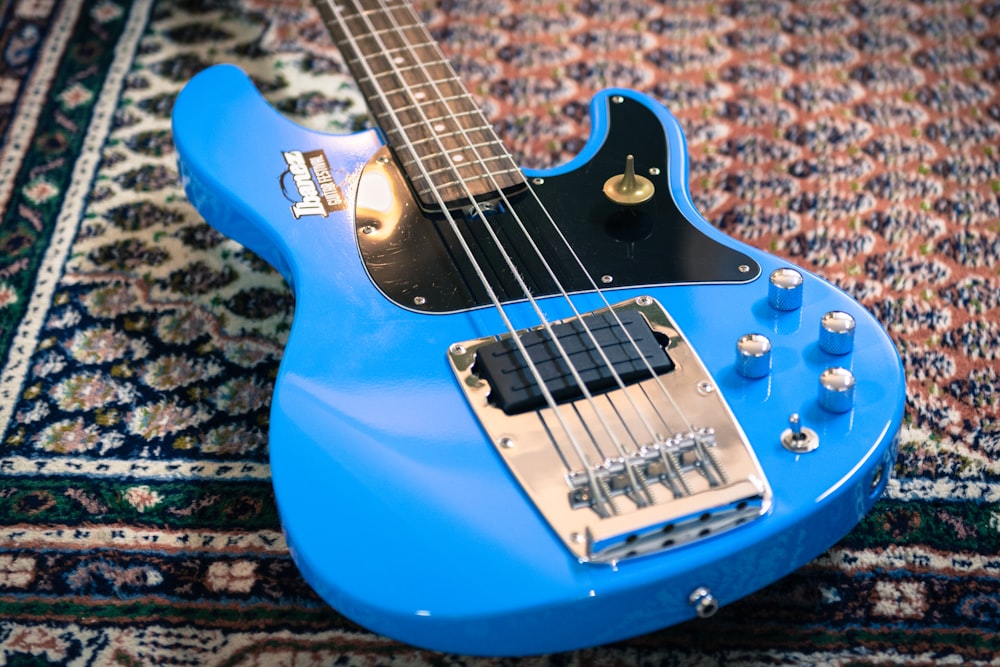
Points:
x=529 y=411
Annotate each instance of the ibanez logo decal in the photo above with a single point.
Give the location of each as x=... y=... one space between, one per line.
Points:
x=317 y=192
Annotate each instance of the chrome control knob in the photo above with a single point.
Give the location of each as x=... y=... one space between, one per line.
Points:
x=836 y=333
x=836 y=390
x=753 y=356
x=785 y=289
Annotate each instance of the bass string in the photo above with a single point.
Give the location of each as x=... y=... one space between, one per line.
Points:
x=533 y=369
x=411 y=15
x=547 y=266
x=389 y=13
x=541 y=256
x=452 y=222
x=549 y=219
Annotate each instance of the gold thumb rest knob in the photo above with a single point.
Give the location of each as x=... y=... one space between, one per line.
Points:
x=628 y=189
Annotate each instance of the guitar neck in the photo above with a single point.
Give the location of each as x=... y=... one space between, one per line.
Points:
x=444 y=143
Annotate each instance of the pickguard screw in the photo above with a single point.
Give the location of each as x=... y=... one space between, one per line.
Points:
x=538 y=181
x=382 y=160
x=743 y=268
x=654 y=171
x=506 y=443
x=368 y=229
x=617 y=99
x=644 y=301
x=705 y=387
x=607 y=280
x=419 y=300
x=458 y=348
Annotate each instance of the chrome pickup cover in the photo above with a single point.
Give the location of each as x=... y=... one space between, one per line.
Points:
x=631 y=471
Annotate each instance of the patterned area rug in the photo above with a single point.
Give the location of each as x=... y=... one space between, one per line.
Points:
x=138 y=346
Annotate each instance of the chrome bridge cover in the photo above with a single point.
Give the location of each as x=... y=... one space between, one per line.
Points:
x=628 y=471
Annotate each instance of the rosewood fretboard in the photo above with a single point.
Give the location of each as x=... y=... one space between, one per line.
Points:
x=443 y=141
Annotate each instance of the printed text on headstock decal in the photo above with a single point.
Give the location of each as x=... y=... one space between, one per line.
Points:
x=318 y=193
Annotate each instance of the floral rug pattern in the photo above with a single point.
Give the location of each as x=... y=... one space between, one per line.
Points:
x=139 y=346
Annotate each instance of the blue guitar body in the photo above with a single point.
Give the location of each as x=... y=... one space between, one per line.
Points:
x=396 y=504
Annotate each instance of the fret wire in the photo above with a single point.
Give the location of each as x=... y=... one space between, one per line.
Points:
x=471 y=109
x=417 y=89
x=394 y=31
x=434 y=123
x=456 y=122
x=398 y=45
x=390 y=82
x=444 y=156
x=402 y=47
x=432 y=128
x=460 y=145
x=409 y=48
x=421 y=82
x=428 y=103
x=360 y=14
x=472 y=113
x=412 y=68
x=453 y=167
x=454 y=184
x=388 y=7
x=447 y=81
x=379 y=53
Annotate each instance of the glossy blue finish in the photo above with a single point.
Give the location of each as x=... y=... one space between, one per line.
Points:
x=397 y=509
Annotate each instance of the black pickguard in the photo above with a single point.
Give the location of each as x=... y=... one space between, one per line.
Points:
x=415 y=258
